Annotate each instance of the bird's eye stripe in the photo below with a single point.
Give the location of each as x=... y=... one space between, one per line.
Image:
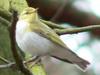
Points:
x=27 y=13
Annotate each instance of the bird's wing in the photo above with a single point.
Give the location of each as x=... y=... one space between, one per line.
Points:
x=48 y=33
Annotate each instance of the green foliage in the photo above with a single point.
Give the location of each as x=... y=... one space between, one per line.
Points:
x=37 y=69
x=6 y=6
x=5 y=51
x=18 y=5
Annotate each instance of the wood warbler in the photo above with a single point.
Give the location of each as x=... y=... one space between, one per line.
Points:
x=36 y=38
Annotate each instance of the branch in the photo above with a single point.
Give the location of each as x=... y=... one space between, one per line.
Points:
x=4 y=60
x=10 y=65
x=13 y=64
x=60 y=30
x=16 y=56
x=76 y=30
x=5 y=14
x=4 y=21
x=52 y=25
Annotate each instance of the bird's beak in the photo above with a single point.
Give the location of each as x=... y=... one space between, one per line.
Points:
x=36 y=10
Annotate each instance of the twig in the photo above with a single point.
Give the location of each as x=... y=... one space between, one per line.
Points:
x=16 y=56
x=7 y=65
x=60 y=30
x=76 y=30
x=52 y=24
x=4 y=60
x=12 y=64
x=4 y=21
x=32 y=59
x=5 y=14
x=36 y=61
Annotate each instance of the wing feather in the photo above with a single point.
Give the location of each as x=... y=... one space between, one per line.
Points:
x=48 y=33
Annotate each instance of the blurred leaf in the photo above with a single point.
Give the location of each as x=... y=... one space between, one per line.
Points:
x=37 y=69
x=5 y=51
x=4 y=4
x=18 y=5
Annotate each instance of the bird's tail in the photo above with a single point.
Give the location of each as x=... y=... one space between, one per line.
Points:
x=83 y=64
x=70 y=57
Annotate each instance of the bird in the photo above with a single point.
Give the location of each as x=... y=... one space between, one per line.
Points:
x=38 y=39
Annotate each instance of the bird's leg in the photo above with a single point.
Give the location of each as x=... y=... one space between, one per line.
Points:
x=36 y=60
x=31 y=59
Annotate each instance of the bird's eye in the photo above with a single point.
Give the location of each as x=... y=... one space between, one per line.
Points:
x=26 y=12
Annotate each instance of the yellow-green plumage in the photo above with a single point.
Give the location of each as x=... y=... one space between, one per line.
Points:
x=37 y=38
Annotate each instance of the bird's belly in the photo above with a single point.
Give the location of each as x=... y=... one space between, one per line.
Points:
x=35 y=44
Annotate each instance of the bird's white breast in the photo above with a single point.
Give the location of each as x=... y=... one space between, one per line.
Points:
x=32 y=42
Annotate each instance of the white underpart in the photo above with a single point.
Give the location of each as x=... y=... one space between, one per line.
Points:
x=31 y=42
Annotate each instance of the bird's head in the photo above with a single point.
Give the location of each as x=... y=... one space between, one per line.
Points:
x=29 y=14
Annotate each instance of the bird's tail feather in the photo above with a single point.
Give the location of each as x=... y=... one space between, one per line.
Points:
x=82 y=65
x=70 y=57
